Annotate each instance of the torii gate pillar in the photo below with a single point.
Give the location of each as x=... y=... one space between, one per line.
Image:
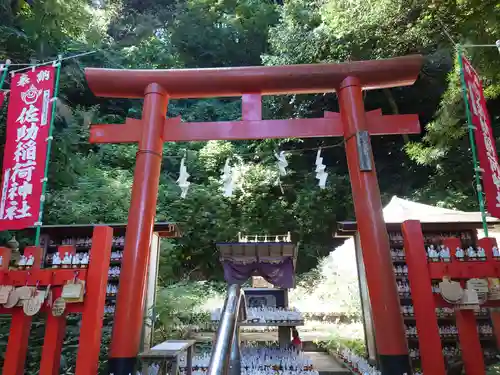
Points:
x=354 y=124
x=393 y=351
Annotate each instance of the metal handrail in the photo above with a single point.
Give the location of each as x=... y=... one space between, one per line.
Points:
x=226 y=356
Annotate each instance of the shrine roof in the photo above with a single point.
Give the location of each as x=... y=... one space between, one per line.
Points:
x=163 y=229
x=266 y=80
x=431 y=217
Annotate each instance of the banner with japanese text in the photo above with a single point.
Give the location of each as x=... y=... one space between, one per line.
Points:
x=28 y=123
x=485 y=141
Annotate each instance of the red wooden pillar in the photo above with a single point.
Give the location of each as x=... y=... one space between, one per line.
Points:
x=388 y=321
x=55 y=330
x=20 y=326
x=87 y=359
x=17 y=346
x=472 y=353
x=129 y=313
x=487 y=244
x=423 y=299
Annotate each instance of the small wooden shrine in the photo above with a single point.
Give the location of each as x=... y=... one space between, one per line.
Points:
x=437 y=225
x=76 y=239
x=269 y=262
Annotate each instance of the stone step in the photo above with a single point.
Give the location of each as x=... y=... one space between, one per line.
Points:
x=311 y=346
x=326 y=364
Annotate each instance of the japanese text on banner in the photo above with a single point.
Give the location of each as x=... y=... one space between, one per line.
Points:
x=485 y=141
x=28 y=124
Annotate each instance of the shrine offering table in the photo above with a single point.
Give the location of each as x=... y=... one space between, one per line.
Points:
x=166 y=356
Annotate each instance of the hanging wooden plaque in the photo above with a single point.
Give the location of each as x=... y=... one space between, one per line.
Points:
x=32 y=306
x=5 y=290
x=12 y=300
x=58 y=307
x=73 y=291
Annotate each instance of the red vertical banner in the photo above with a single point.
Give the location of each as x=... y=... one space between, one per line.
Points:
x=28 y=123
x=485 y=141
x=2 y=97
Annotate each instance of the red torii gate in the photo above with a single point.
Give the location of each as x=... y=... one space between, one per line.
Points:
x=353 y=123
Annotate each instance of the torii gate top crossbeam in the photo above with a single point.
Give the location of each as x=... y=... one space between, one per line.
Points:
x=265 y=80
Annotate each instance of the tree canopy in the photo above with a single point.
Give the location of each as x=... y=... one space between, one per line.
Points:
x=91 y=184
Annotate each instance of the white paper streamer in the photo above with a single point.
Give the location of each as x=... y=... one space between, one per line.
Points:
x=321 y=174
x=182 y=181
x=282 y=163
x=227 y=179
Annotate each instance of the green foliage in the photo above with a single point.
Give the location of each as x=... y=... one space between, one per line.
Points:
x=350 y=336
x=336 y=344
x=493 y=370
x=181 y=306
x=89 y=183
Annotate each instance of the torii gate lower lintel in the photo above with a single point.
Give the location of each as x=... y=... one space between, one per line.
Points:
x=353 y=123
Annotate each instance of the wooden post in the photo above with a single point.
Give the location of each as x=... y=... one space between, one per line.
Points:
x=17 y=346
x=472 y=353
x=423 y=299
x=87 y=359
x=55 y=330
x=389 y=326
x=127 y=328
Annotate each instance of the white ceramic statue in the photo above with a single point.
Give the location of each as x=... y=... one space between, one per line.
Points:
x=444 y=253
x=56 y=260
x=67 y=259
x=30 y=261
x=85 y=260
x=405 y=270
x=459 y=253
x=22 y=261
x=76 y=260
x=471 y=253
x=481 y=254
x=432 y=253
